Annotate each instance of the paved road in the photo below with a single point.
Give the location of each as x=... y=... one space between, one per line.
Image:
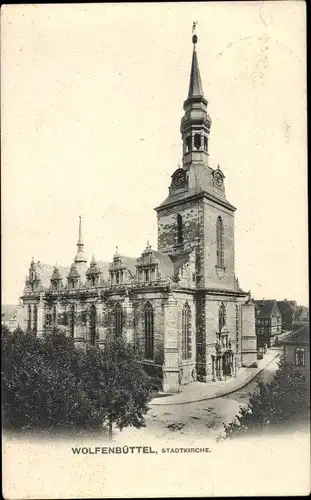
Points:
x=202 y=419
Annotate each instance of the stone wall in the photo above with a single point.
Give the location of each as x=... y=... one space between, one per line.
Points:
x=249 y=339
x=213 y=277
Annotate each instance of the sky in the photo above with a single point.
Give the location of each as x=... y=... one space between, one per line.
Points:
x=91 y=103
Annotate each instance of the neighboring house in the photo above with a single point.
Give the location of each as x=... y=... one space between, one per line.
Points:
x=180 y=306
x=296 y=348
x=268 y=321
x=9 y=317
x=287 y=309
x=301 y=317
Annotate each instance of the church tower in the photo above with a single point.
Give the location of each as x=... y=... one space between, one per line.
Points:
x=196 y=212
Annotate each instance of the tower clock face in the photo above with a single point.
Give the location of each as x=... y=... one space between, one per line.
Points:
x=218 y=179
x=179 y=179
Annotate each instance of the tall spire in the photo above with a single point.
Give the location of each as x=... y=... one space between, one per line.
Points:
x=196 y=122
x=195 y=85
x=80 y=257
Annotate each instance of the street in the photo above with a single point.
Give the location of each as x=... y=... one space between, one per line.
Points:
x=200 y=419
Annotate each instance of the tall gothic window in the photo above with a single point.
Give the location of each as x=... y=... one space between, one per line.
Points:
x=118 y=319
x=35 y=319
x=29 y=318
x=54 y=316
x=93 y=324
x=72 y=321
x=180 y=237
x=186 y=332
x=148 y=331
x=220 y=242
x=221 y=317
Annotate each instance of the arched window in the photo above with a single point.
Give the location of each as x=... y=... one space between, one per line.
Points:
x=148 y=331
x=35 y=319
x=54 y=316
x=197 y=141
x=220 y=242
x=186 y=332
x=180 y=237
x=72 y=321
x=221 y=317
x=29 y=318
x=205 y=143
x=93 y=324
x=118 y=319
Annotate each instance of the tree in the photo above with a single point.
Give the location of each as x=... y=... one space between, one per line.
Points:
x=282 y=402
x=113 y=376
x=49 y=384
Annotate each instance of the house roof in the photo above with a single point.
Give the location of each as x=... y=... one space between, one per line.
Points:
x=44 y=272
x=285 y=307
x=301 y=336
x=264 y=308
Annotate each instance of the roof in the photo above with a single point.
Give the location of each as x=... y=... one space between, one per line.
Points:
x=264 y=307
x=285 y=307
x=301 y=336
x=180 y=259
x=165 y=263
x=44 y=272
x=199 y=182
x=130 y=263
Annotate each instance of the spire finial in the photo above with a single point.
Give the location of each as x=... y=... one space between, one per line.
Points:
x=80 y=255
x=194 y=36
x=195 y=85
x=80 y=231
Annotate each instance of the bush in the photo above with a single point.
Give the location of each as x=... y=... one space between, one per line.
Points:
x=48 y=384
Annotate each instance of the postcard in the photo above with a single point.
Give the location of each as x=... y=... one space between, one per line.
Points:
x=155 y=316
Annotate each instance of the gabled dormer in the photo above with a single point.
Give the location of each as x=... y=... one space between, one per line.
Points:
x=147 y=267
x=93 y=274
x=121 y=270
x=56 y=280
x=73 y=278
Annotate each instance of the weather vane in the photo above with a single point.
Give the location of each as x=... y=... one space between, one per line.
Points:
x=194 y=36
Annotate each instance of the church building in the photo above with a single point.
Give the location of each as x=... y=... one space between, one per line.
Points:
x=180 y=306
